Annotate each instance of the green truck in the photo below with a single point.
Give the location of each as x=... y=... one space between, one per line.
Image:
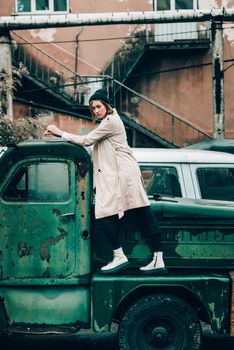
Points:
x=50 y=258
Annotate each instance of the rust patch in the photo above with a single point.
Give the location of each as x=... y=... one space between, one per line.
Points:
x=46 y=273
x=56 y=212
x=63 y=232
x=82 y=194
x=82 y=168
x=24 y=249
x=44 y=249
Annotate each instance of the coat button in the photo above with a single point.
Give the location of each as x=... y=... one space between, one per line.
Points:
x=99 y=170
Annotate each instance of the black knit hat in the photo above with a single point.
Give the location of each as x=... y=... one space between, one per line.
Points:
x=100 y=94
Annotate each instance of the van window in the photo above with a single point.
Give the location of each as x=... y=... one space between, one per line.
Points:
x=216 y=183
x=161 y=180
x=39 y=182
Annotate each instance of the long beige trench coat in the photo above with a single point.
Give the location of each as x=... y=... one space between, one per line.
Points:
x=118 y=180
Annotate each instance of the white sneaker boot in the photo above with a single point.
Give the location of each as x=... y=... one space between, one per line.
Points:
x=119 y=262
x=156 y=266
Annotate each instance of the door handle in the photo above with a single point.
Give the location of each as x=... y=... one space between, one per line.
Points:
x=67 y=215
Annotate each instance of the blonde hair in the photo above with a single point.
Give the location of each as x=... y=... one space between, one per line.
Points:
x=109 y=109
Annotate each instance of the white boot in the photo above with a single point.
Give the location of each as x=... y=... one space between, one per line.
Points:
x=119 y=262
x=156 y=266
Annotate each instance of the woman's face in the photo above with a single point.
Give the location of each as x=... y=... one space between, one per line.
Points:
x=98 y=109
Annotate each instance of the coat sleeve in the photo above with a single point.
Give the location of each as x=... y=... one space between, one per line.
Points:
x=104 y=130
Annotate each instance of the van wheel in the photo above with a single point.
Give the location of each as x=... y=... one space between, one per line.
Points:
x=160 y=322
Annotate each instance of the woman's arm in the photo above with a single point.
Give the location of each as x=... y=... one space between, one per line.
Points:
x=104 y=130
x=53 y=130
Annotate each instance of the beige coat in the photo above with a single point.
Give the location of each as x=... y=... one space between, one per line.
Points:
x=118 y=180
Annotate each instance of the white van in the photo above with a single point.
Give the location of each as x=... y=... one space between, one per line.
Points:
x=187 y=173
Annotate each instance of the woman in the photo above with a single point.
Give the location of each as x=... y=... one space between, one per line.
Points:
x=118 y=181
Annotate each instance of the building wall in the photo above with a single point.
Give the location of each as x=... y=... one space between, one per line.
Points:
x=94 y=52
x=62 y=120
x=185 y=92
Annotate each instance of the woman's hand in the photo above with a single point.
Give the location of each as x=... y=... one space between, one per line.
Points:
x=53 y=130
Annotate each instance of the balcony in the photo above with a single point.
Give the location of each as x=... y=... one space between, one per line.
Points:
x=189 y=35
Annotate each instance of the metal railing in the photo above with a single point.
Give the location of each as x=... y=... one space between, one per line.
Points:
x=151 y=115
x=124 y=59
x=54 y=74
x=46 y=68
x=187 y=31
x=133 y=45
x=135 y=106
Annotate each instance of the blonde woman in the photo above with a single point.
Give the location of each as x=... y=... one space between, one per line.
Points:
x=118 y=182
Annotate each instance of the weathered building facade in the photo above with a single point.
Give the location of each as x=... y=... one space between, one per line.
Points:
x=166 y=69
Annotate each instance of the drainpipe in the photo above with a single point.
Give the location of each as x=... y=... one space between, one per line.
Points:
x=76 y=63
x=218 y=79
x=6 y=65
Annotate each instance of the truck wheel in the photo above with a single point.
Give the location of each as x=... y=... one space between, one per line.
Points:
x=160 y=322
x=3 y=320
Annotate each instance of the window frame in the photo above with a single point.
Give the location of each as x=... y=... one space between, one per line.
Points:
x=173 y=5
x=195 y=167
x=19 y=166
x=40 y=12
x=175 y=166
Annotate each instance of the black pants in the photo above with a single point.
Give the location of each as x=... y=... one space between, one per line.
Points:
x=145 y=220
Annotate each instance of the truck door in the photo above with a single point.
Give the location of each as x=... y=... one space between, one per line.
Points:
x=38 y=228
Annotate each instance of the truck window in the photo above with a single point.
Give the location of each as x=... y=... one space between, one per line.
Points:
x=216 y=183
x=39 y=182
x=162 y=180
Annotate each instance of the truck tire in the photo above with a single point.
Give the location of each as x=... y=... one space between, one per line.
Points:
x=160 y=322
x=3 y=320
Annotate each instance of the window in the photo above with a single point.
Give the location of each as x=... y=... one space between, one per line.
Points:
x=36 y=182
x=42 y=6
x=60 y=5
x=161 y=180
x=184 y=4
x=216 y=183
x=165 y=5
x=24 y=6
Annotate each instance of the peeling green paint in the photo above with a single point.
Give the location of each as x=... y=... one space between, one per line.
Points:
x=104 y=328
x=24 y=249
x=216 y=319
x=44 y=250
